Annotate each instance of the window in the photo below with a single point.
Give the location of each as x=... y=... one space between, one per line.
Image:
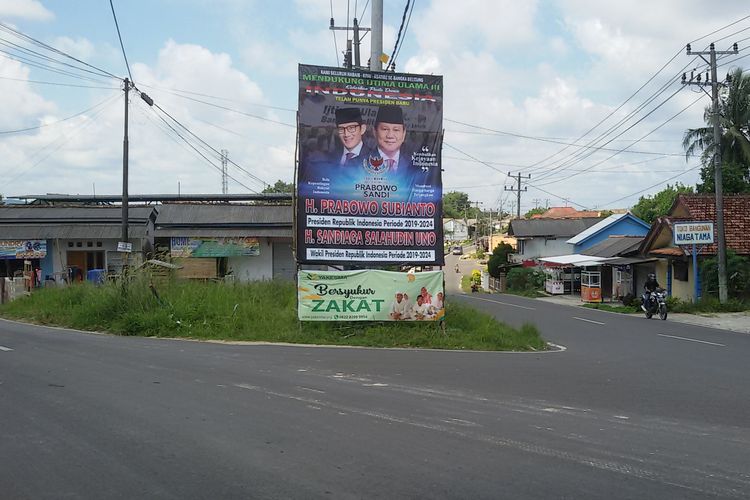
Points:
x=680 y=270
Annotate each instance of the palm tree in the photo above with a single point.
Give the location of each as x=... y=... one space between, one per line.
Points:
x=734 y=124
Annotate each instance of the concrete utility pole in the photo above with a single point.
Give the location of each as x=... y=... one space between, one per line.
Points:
x=518 y=190
x=356 y=28
x=714 y=83
x=376 y=40
x=127 y=86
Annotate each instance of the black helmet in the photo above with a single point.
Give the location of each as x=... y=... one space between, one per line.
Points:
x=651 y=276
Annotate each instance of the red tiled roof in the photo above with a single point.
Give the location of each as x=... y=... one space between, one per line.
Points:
x=703 y=208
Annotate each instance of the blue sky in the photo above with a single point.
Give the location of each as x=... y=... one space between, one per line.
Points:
x=545 y=69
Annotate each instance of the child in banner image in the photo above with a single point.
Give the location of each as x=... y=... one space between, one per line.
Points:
x=438 y=302
x=421 y=311
x=400 y=307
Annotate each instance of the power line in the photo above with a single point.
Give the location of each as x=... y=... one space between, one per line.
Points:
x=652 y=186
x=119 y=36
x=178 y=92
x=46 y=67
x=16 y=131
x=60 y=84
x=406 y=28
x=398 y=37
x=39 y=55
x=9 y=29
x=335 y=44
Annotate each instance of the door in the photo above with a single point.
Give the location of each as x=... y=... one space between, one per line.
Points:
x=284 y=266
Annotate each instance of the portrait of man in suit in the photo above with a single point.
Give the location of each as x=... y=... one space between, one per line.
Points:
x=390 y=132
x=350 y=129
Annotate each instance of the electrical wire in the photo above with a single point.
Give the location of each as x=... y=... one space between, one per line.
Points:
x=27 y=129
x=335 y=44
x=119 y=36
x=651 y=187
x=60 y=84
x=398 y=37
x=181 y=91
x=33 y=53
x=9 y=29
x=46 y=67
x=406 y=28
x=58 y=143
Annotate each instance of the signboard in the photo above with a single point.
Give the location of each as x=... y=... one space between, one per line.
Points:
x=369 y=179
x=689 y=233
x=214 y=247
x=23 y=249
x=370 y=295
x=124 y=246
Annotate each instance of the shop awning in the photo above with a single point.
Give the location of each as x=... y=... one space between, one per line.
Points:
x=575 y=260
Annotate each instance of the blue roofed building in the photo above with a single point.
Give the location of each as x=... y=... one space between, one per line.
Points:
x=625 y=224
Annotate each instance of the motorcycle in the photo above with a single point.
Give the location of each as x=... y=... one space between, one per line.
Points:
x=656 y=303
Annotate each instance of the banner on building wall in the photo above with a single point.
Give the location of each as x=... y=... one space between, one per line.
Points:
x=23 y=249
x=370 y=295
x=214 y=247
x=369 y=181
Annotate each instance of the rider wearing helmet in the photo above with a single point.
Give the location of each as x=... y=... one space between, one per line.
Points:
x=650 y=286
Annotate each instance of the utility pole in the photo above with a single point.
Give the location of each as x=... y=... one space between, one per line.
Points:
x=356 y=28
x=224 y=173
x=721 y=243
x=518 y=190
x=127 y=86
x=376 y=38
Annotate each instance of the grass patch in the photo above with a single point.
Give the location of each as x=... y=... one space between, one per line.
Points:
x=614 y=308
x=707 y=305
x=263 y=311
x=531 y=294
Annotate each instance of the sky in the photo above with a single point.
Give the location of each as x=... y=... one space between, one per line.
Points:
x=584 y=96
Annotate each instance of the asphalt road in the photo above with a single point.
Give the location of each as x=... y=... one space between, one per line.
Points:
x=631 y=409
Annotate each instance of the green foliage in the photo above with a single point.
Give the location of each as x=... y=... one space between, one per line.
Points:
x=498 y=259
x=649 y=208
x=734 y=141
x=525 y=279
x=280 y=187
x=625 y=309
x=707 y=305
x=456 y=205
x=534 y=211
x=262 y=311
x=476 y=276
x=738 y=276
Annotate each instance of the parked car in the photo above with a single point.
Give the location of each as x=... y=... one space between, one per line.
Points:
x=457 y=250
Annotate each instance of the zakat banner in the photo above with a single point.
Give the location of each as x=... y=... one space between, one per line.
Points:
x=369 y=177
x=370 y=295
x=214 y=247
x=23 y=249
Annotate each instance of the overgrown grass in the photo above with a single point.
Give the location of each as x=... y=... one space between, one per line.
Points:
x=707 y=305
x=264 y=311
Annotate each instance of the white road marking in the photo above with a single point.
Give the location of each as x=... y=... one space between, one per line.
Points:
x=310 y=389
x=503 y=303
x=6 y=349
x=588 y=320
x=691 y=340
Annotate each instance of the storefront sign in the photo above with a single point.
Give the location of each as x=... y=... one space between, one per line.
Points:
x=689 y=233
x=214 y=247
x=124 y=246
x=369 y=178
x=23 y=249
x=370 y=295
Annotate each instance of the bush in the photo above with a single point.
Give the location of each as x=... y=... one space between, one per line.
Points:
x=738 y=276
x=476 y=276
x=706 y=305
x=525 y=279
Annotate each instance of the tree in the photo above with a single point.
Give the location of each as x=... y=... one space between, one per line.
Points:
x=649 y=208
x=280 y=187
x=534 y=211
x=738 y=272
x=456 y=205
x=734 y=144
x=498 y=259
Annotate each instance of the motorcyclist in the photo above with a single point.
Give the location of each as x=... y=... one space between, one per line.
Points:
x=650 y=287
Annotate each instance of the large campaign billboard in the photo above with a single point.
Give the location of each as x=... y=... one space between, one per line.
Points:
x=370 y=295
x=369 y=188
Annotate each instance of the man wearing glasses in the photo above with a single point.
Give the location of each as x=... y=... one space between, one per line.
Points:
x=350 y=129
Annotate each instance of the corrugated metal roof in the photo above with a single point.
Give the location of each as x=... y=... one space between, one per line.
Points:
x=222 y=215
x=69 y=231
x=614 y=246
x=523 y=228
x=595 y=228
x=29 y=214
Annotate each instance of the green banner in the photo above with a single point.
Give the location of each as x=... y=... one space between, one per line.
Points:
x=370 y=295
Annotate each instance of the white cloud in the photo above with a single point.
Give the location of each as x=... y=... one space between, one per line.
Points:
x=25 y=9
x=79 y=47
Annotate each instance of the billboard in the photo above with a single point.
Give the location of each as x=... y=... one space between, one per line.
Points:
x=213 y=247
x=23 y=249
x=370 y=295
x=369 y=186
